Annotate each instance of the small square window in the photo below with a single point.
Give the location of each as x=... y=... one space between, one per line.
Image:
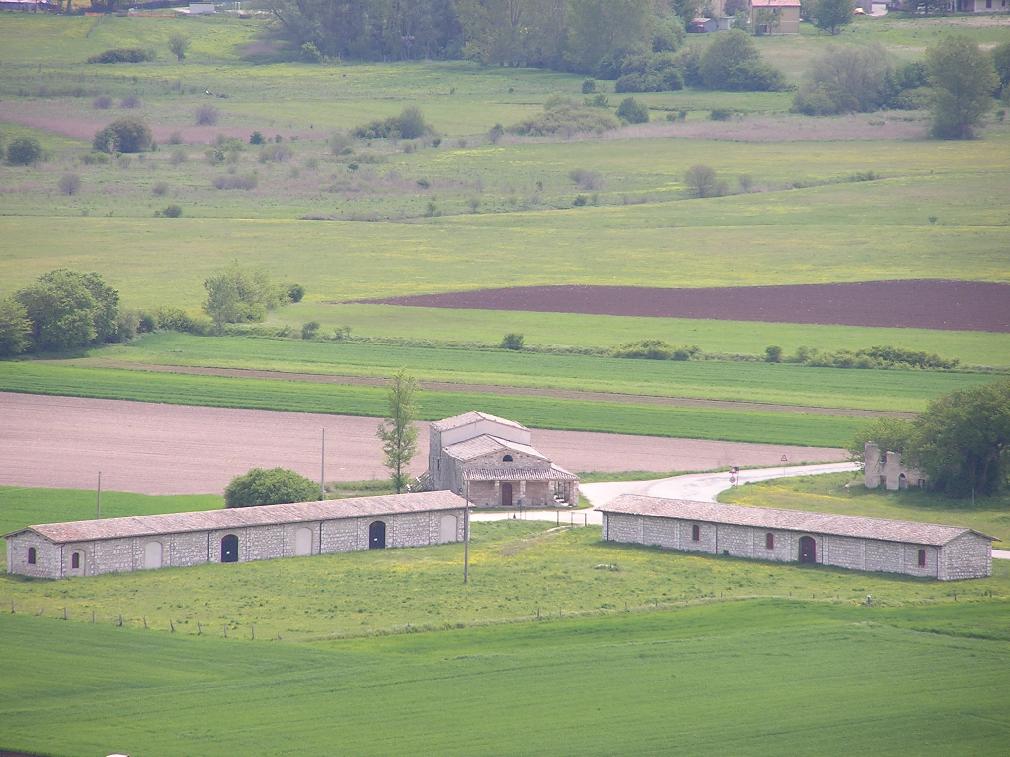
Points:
x=695 y=533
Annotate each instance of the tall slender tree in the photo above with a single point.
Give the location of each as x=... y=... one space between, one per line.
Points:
x=963 y=80
x=397 y=430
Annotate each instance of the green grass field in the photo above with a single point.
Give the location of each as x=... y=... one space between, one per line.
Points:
x=890 y=390
x=844 y=493
x=748 y=678
x=538 y=412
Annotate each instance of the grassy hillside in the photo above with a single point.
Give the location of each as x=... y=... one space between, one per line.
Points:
x=731 y=677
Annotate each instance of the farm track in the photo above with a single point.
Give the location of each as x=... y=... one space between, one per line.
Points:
x=152 y=448
x=512 y=391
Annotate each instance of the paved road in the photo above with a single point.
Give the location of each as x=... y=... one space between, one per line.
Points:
x=703 y=487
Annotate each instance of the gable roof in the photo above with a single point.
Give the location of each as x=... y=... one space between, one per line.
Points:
x=515 y=473
x=486 y=444
x=473 y=417
x=239 y=517
x=860 y=527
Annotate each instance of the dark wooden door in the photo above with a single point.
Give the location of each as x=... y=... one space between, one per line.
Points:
x=229 y=548
x=808 y=549
x=506 y=495
x=377 y=535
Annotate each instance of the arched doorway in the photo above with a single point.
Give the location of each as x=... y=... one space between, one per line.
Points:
x=152 y=555
x=447 y=529
x=506 y=494
x=377 y=535
x=229 y=548
x=303 y=542
x=808 y=549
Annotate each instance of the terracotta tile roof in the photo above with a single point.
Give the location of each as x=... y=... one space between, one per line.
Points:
x=472 y=417
x=264 y=515
x=510 y=473
x=790 y=520
x=486 y=444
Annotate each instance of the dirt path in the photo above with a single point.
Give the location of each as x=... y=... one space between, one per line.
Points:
x=175 y=449
x=446 y=386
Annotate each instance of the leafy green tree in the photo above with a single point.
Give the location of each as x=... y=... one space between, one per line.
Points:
x=632 y=111
x=397 y=430
x=832 y=15
x=240 y=295
x=24 y=151
x=963 y=80
x=15 y=328
x=702 y=181
x=732 y=62
x=179 y=45
x=70 y=309
x=1001 y=62
x=962 y=440
x=128 y=134
x=269 y=486
x=846 y=80
x=598 y=29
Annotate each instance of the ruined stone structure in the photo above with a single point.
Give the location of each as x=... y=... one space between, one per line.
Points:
x=489 y=461
x=120 y=545
x=885 y=469
x=927 y=550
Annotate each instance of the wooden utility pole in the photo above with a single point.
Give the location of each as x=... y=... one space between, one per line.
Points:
x=322 y=468
x=466 y=536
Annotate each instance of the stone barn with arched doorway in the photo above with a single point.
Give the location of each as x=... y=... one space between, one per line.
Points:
x=119 y=545
x=927 y=550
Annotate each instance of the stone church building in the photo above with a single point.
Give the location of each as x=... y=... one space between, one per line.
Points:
x=241 y=534
x=925 y=550
x=490 y=461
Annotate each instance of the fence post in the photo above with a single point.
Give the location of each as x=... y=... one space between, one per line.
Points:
x=64 y=613
x=171 y=625
x=13 y=611
x=225 y=628
x=199 y=628
x=254 y=632
x=119 y=621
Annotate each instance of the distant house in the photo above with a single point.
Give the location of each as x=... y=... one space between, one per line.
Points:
x=926 y=550
x=490 y=461
x=121 y=545
x=886 y=469
x=700 y=25
x=775 y=16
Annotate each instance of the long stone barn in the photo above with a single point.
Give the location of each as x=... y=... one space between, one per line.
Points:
x=925 y=550
x=121 y=545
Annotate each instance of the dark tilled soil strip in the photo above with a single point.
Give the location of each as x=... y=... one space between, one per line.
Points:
x=444 y=386
x=923 y=304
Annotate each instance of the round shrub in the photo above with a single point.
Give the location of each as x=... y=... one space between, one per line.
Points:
x=24 y=151
x=172 y=211
x=128 y=134
x=632 y=111
x=273 y=486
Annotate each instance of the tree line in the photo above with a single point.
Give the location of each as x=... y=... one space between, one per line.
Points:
x=572 y=35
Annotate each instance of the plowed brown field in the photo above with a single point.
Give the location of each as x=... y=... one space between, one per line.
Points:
x=923 y=304
x=174 y=449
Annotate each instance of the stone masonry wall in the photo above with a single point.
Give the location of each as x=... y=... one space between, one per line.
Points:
x=254 y=543
x=967 y=556
x=47 y=556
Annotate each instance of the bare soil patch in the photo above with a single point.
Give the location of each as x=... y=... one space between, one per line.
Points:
x=172 y=449
x=922 y=304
